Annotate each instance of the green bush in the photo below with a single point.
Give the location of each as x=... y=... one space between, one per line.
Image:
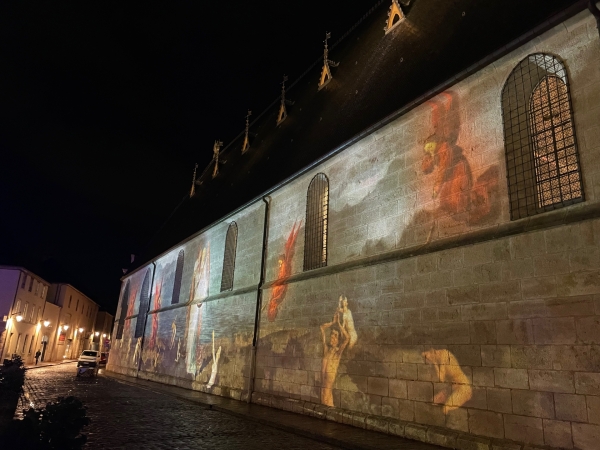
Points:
x=12 y=375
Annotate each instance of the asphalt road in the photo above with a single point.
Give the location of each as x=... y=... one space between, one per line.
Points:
x=130 y=417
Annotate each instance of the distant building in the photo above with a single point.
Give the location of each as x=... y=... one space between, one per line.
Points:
x=56 y=319
x=102 y=330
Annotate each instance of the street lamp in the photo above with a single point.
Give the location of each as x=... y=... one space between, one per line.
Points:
x=104 y=335
x=46 y=323
x=19 y=317
x=97 y=333
x=66 y=327
x=81 y=330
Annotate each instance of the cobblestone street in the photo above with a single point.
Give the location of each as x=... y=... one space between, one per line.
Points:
x=129 y=417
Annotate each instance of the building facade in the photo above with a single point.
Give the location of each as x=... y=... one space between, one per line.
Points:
x=102 y=331
x=438 y=278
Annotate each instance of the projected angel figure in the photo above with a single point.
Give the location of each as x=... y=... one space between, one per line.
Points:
x=347 y=320
x=215 y=366
x=199 y=292
x=332 y=354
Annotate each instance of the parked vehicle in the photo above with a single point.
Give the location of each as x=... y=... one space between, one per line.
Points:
x=88 y=363
x=103 y=358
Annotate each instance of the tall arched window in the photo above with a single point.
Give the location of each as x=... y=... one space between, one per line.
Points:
x=542 y=160
x=178 y=276
x=124 y=300
x=229 y=257
x=315 y=230
x=144 y=305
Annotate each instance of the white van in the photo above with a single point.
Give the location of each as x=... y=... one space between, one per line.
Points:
x=88 y=361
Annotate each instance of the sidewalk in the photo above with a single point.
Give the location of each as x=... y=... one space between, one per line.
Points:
x=48 y=364
x=332 y=433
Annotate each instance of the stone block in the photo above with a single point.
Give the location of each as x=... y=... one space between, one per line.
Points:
x=466 y=442
x=518 y=268
x=570 y=407
x=484 y=311
x=518 y=331
x=397 y=388
x=483 y=332
x=551 y=381
x=532 y=356
x=429 y=414
x=511 y=378
x=416 y=432
x=421 y=391
x=499 y=400
x=457 y=418
x=469 y=396
x=396 y=427
x=483 y=376
x=593 y=409
x=378 y=386
x=449 y=314
x=478 y=254
x=502 y=291
x=528 y=244
x=529 y=430
x=463 y=295
x=406 y=371
x=456 y=374
x=578 y=283
x=551 y=264
x=554 y=330
x=581 y=305
x=540 y=287
x=427 y=372
x=486 y=423
x=377 y=423
x=495 y=355
x=533 y=403
x=464 y=355
x=588 y=330
x=440 y=436
x=586 y=436
x=527 y=309
x=450 y=333
x=557 y=434
x=442 y=392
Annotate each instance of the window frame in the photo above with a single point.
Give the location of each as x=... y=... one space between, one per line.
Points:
x=229 y=257
x=316 y=223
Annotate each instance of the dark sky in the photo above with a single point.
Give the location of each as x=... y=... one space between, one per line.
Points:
x=106 y=106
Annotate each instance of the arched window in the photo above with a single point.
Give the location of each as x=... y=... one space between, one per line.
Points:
x=315 y=230
x=140 y=323
x=178 y=276
x=124 y=300
x=542 y=160
x=229 y=257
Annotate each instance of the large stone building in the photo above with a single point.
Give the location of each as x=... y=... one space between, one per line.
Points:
x=434 y=272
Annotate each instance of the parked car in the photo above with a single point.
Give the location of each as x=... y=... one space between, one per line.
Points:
x=88 y=362
x=103 y=358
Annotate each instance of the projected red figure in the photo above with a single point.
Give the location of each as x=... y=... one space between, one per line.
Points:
x=285 y=270
x=453 y=184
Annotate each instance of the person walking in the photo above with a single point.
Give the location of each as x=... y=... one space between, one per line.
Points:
x=37 y=356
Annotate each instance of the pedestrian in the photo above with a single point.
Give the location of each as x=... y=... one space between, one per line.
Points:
x=37 y=356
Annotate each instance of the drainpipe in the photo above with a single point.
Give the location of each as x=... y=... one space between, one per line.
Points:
x=261 y=282
x=143 y=338
x=595 y=12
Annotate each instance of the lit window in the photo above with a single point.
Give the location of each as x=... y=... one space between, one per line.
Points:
x=541 y=149
x=229 y=258
x=315 y=231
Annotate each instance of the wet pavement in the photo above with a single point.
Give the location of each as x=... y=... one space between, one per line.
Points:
x=124 y=416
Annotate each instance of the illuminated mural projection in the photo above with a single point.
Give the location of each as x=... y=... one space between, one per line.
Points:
x=454 y=191
x=215 y=363
x=285 y=270
x=199 y=291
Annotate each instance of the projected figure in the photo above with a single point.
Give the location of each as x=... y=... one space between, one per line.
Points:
x=285 y=270
x=199 y=291
x=332 y=354
x=458 y=391
x=215 y=366
x=347 y=320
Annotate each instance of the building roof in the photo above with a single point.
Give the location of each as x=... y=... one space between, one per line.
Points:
x=379 y=76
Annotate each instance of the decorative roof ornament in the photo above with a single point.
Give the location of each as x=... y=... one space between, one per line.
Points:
x=326 y=72
x=216 y=147
x=193 y=189
x=282 y=110
x=395 y=16
x=246 y=144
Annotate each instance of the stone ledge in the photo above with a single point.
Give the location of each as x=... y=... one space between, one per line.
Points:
x=444 y=437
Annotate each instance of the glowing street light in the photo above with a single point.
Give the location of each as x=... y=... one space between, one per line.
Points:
x=104 y=335
x=97 y=333
x=46 y=323
x=81 y=330
x=19 y=317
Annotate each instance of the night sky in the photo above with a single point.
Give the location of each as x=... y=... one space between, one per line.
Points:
x=106 y=106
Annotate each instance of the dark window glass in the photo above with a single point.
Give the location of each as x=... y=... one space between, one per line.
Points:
x=315 y=230
x=229 y=257
x=144 y=305
x=124 y=300
x=178 y=276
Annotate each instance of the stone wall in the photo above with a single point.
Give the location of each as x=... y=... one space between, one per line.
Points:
x=436 y=317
